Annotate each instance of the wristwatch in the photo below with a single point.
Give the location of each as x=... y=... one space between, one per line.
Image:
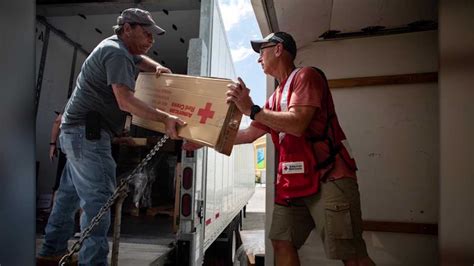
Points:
x=255 y=109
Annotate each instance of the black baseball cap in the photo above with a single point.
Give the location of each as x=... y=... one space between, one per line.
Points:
x=278 y=37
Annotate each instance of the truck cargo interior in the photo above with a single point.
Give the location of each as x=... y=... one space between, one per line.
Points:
x=399 y=71
x=73 y=33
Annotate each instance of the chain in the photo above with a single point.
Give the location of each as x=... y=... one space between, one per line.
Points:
x=120 y=189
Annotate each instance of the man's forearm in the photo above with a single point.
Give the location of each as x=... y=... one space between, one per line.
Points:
x=147 y=64
x=288 y=122
x=55 y=131
x=248 y=135
x=137 y=107
x=242 y=138
x=55 y=128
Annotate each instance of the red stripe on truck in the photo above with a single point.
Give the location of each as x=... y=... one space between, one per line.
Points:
x=208 y=221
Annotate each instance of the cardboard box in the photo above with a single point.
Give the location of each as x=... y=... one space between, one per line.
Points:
x=199 y=101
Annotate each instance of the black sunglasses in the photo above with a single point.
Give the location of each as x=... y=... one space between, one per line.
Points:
x=261 y=48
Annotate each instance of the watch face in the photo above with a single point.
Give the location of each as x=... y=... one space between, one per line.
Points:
x=254 y=110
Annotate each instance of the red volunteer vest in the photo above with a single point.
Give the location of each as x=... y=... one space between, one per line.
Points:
x=297 y=175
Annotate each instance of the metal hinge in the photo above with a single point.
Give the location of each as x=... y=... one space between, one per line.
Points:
x=200 y=208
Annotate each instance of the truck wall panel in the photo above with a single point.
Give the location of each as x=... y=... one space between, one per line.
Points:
x=39 y=42
x=230 y=179
x=394 y=134
x=393 y=129
x=53 y=97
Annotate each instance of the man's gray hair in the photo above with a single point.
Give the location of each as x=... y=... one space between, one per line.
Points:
x=117 y=29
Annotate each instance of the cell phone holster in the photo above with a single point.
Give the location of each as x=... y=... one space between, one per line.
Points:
x=93 y=125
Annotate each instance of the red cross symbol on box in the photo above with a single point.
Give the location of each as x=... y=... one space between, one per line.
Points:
x=205 y=113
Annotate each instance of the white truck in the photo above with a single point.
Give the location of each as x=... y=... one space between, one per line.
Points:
x=214 y=188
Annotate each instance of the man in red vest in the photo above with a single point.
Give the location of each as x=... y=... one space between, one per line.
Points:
x=316 y=182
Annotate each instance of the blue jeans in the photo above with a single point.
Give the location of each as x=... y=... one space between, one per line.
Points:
x=88 y=180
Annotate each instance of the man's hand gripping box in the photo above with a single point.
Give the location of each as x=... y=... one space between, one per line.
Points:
x=199 y=101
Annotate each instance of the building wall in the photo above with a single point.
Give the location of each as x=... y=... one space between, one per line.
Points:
x=260 y=154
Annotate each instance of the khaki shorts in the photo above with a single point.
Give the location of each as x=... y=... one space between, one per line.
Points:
x=335 y=210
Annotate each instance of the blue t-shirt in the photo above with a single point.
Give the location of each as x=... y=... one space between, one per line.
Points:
x=109 y=63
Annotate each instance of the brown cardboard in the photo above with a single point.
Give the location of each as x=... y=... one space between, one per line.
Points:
x=140 y=141
x=199 y=101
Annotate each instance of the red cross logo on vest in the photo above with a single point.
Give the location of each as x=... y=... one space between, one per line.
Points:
x=205 y=113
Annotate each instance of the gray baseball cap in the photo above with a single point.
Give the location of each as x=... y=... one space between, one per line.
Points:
x=141 y=17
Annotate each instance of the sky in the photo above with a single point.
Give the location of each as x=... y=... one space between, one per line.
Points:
x=241 y=27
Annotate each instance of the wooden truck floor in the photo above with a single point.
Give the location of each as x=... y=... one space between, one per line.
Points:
x=132 y=254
